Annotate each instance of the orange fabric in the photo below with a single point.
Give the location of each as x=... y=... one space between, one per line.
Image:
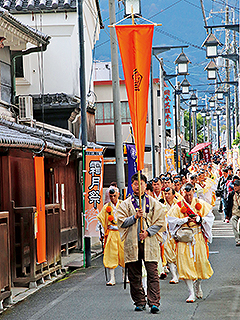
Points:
x=162 y=251
x=40 y=204
x=135 y=45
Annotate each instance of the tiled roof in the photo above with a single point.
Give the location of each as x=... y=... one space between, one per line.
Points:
x=13 y=21
x=24 y=6
x=14 y=135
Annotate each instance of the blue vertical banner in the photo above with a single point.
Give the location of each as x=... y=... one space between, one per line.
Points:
x=168 y=105
x=132 y=165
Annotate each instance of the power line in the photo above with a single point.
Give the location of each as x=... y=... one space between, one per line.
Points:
x=224 y=3
x=173 y=4
x=168 y=34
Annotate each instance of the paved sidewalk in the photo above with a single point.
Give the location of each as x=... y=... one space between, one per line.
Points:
x=72 y=261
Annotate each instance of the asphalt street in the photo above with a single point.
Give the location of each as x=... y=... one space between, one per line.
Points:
x=84 y=295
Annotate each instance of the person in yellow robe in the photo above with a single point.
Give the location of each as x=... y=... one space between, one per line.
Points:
x=192 y=256
x=169 y=244
x=113 y=246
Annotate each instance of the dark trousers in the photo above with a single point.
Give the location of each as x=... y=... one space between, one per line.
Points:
x=220 y=209
x=135 y=279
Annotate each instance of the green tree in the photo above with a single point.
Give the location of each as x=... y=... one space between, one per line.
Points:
x=199 y=126
x=236 y=141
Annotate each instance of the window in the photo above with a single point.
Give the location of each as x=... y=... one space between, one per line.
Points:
x=19 y=67
x=5 y=76
x=104 y=112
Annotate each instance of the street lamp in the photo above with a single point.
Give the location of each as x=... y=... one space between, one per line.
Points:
x=220 y=93
x=185 y=86
x=211 y=43
x=208 y=116
x=182 y=62
x=211 y=70
x=212 y=102
x=193 y=99
x=132 y=7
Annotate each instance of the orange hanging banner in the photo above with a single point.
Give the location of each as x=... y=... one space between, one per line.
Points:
x=40 y=204
x=135 y=45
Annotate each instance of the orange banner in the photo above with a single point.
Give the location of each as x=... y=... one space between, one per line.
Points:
x=40 y=221
x=135 y=45
x=93 y=189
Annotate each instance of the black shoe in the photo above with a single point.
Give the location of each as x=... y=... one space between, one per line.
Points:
x=140 y=308
x=154 y=309
x=163 y=276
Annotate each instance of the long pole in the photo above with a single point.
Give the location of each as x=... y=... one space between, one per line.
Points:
x=116 y=101
x=140 y=199
x=204 y=129
x=82 y=76
x=228 y=127
x=179 y=122
x=218 y=132
x=236 y=103
x=233 y=121
x=195 y=119
x=190 y=129
x=176 y=129
x=229 y=120
x=83 y=131
x=152 y=121
x=162 y=108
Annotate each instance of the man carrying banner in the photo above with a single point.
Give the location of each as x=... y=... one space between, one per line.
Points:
x=113 y=246
x=142 y=244
x=190 y=223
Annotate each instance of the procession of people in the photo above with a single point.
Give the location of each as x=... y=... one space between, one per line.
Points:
x=166 y=227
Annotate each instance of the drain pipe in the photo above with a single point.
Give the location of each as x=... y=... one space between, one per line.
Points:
x=16 y=54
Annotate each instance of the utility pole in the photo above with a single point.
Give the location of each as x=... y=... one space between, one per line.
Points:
x=190 y=128
x=236 y=104
x=152 y=120
x=228 y=125
x=162 y=107
x=193 y=129
x=82 y=76
x=83 y=131
x=179 y=123
x=218 y=132
x=204 y=15
x=116 y=101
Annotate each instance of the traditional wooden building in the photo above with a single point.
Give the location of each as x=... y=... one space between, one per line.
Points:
x=20 y=142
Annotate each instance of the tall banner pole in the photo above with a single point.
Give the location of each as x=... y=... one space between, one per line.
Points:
x=135 y=46
x=140 y=199
x=83 y=199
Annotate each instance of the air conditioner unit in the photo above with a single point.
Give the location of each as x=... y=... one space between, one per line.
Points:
x=25 y=107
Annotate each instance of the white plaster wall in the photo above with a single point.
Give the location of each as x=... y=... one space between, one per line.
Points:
x=104 y=94
x=61 y=60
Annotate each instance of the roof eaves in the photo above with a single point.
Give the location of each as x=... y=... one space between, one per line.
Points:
x=31 y=32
